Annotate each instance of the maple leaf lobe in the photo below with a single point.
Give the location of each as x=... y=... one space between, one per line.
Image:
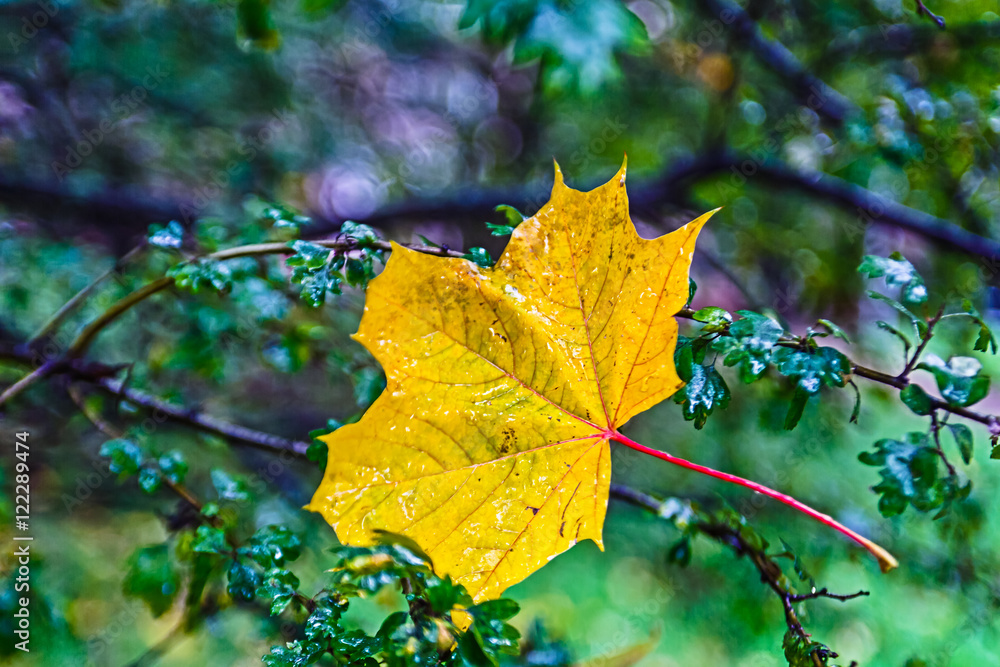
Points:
x=490 y=444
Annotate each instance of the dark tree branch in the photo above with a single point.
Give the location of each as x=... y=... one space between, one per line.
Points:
x=865 y=204
x=824 y=593
x=810 y=90
x=98 y=375
x=114 y=210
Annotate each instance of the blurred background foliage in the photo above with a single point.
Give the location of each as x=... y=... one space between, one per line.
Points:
x=828 y=131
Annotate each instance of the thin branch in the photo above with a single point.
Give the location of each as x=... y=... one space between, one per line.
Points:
x=53 y=322
x=27 y=381
x=96 y=374
x=923 y=11
x=154 y=653
x=114 y=432
x=824 y=593
x=936 y=433
x=204 y=422
x=86 y=337
x=931 y=323
x=672 y=186
x=119 y=308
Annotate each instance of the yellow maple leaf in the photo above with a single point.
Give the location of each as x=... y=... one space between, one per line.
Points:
x=490 y=444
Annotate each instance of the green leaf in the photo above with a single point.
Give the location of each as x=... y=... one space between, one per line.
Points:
x=167 y=237
x=834 y=330
x=513 y=217
x=256 y=24
x=704 y=390
x=279 y=586
x=577 y=45
x=322 y=624
x=149 y=480
x=963 y=438
x=152 y=578
x=960 y=381
x=824 y=366
x=798 y=565
x=229 y=487
x=811 y=370
x=125 y=455
x=715 y=319
x=898 y=272
x=368 y=383
x=273 y=546
x=295 y=654
x=403 y=549
x=210 y=540
x=480 y=256
x=173 y=466
x=317 y=270
x=796 y=408
x=692 y=290
x=916 y=399
x=749 y=344
x=317 y=451
x=202 y=274
x=495 y=610
x=499 y=230
x=443 y=594
x=919 y=325
x=986 y=340
x=911 y=475
x=680 y=552
x=243 y=581
x=363 y=236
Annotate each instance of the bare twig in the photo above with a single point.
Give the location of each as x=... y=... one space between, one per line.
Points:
x=28 y=380
x=936 y=433
x=60 y=315
x=824 y=593
x=923 y=11
x=114 y=432
x=96 y=374
x=931 y=323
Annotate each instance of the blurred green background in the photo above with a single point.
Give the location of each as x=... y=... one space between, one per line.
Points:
x=828 y=131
